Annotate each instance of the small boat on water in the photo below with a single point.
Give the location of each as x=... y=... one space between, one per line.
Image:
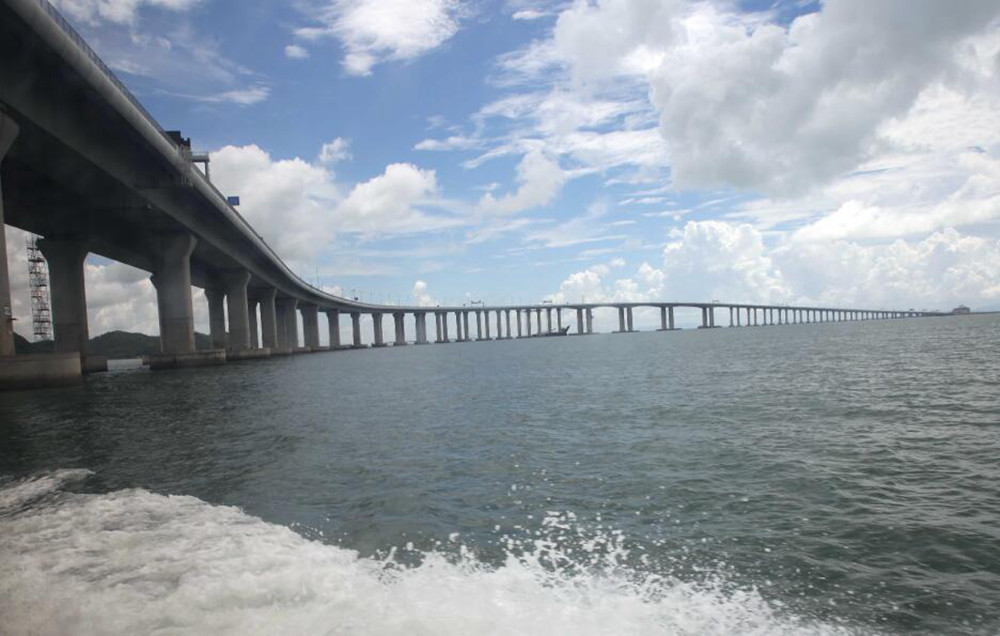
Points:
x=560 y=332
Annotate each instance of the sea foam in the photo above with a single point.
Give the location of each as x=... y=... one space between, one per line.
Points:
x=132 y=561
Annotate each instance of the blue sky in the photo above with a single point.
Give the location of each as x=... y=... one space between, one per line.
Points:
x=441 y=151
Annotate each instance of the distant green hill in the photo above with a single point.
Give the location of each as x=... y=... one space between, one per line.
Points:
x=114 y=345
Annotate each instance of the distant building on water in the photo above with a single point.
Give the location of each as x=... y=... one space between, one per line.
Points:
x=961 y=310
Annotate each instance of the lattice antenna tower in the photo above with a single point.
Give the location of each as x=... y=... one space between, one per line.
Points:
x=38 y=281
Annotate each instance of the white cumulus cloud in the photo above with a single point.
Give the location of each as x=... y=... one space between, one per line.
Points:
x=539 y=181
x=375 y=31
x=296 y=52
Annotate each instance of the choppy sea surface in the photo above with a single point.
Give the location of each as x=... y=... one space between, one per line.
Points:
x=806 y=479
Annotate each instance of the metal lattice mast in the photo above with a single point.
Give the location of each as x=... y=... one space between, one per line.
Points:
x=38 y=280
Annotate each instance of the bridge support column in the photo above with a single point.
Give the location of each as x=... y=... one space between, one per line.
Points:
x=172 y=280
x=444 y=325
x=458 y=327
x=310 y=326
x=333 y=325
x=254 y=330
x=559 y=318
x=704 y=317
x=579 y=322
x=621 y=320
x=548 y=320
x=400 y=329
x=527 y=323
x=507 y=321
x=268 y=320
x=420 y=319
x=216 y=298
x=479 y=325
x=500 y=335
x=378 y=339
x=711 y=317
x=287 y=324
x=465 y=326
x=65 y=258
x=628 y=319
x=8 y=133
x=437 y=328
x=356 y=329
x=538 y=319
x=279 y=327
x=173 y=292
x=590 y=320
x=238 y=308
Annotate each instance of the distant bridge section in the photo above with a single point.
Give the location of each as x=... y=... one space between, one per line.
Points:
x=85 y=166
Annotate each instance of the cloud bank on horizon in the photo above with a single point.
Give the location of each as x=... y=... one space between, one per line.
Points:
x=427 y=151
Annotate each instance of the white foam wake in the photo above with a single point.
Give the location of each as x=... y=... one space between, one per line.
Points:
x=133 y=562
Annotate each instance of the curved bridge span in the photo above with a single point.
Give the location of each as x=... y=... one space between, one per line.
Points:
x=86 y=167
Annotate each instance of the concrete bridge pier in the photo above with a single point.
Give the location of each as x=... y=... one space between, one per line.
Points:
x=279 y=327
x=65 y=258
x=379 y=340
x=238 y=308
x=420 y=319
x=254 y=328
x=333 y=324
x=444 y=326
x=621 y=320
x=269 y=320
x=437 y=328
x=400 y=329
x=590 y=321
x=465 y=326
x=35 y=370
x=663 y=318
x=479 y=326
x=287 y=325
x=730 y=316
x=507 y=322
x=216 y=298
x=579 y=322
x=356 y=330
x=500 y=332
x=172 y=280
x=559 y=318
x=310 y=326
x=527 y=323
x=9 y=131
x=538 y=318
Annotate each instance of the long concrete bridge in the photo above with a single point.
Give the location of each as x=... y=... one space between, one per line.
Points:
x=86 y=167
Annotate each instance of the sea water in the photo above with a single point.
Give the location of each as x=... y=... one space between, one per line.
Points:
x=805 y=479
